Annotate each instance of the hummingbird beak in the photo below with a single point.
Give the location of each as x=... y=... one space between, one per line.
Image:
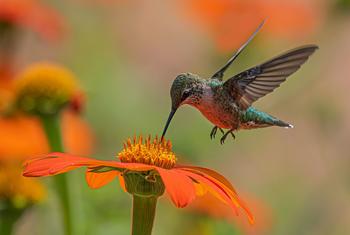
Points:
x=171 y=115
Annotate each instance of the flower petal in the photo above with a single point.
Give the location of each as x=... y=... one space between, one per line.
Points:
x=122 y=183
x=97 y=180
x=210 y=173
x=57 y=163
x=178 y=185
x=219 y=190
x=218 y=179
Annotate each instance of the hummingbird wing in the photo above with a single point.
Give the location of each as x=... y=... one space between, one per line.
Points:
x=248 y=86
x=220 y=73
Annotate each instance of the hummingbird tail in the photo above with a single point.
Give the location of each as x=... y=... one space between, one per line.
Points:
x=254 y=118
x=283 y=124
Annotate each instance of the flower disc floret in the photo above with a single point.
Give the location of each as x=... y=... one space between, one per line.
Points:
x=156 y=152
x=45 y=88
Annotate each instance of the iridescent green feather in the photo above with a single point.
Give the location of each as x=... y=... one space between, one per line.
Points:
x=255 y=118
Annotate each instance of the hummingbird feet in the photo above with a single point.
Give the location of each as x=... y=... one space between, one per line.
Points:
x=223 y=138
x=214 y=130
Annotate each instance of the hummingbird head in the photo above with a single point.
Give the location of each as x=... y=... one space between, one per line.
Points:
x=182 y=91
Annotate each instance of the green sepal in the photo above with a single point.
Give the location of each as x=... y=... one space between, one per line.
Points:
x=102 y=169
x=145 y=183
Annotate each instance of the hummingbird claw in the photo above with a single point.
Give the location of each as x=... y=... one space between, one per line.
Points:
x=223 y=138
x=213 y=132
x=222 y=141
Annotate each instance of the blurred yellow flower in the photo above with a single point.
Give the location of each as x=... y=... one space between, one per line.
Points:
x=18 y=190
x=45 y=88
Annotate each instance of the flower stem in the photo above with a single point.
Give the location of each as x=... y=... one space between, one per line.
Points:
x=8 y=219
x=144 y=210
x=52 y=129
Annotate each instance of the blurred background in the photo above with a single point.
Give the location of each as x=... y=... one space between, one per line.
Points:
x=126 y=53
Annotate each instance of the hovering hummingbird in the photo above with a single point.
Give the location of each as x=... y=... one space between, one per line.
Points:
x=227 y=104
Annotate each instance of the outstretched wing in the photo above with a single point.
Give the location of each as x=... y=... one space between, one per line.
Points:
x=220 y=73
x=256 y=82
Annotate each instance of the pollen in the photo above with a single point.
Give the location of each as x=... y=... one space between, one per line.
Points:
x=155 y=151
x=45 y=88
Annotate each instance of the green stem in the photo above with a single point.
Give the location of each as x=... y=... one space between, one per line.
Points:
x=6 y=225
x=144 y=210
x=8 y=219
x=52 y=129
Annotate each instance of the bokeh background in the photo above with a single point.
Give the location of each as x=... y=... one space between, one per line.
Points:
x=126 y=53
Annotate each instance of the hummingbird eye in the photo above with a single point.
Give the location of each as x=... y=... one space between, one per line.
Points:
x=185 y=95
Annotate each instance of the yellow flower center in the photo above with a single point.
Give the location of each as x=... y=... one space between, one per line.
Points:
x=152 y=152
x=45 y=88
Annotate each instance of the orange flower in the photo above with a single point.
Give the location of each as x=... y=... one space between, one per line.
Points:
x=6 y=88
x=77 y=135
x=209 y=206
x=18 y=129
x=231 y=22
x=34 y=15
x=152 y=160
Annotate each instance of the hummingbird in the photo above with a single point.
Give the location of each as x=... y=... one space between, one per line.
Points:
x=227 y=104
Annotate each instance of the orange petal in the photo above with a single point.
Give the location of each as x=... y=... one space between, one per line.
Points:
x=201 y=189
x=15 y=133
x=97 y=180
x=210 y=173
x=77 y=135
x=220 y=191
x=122 y=182
x=57 y=163
x=179 y=187
x=222 y=181
x=218 y=179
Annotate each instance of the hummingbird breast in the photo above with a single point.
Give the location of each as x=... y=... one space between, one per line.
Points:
x=218 y=107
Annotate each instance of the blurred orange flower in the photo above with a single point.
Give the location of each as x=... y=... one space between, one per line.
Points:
x=34 y=15
x=230 y=22
x=207 y=205
x=77 y=135
x=154 y=161
x=6 y=87
x=23 y=135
